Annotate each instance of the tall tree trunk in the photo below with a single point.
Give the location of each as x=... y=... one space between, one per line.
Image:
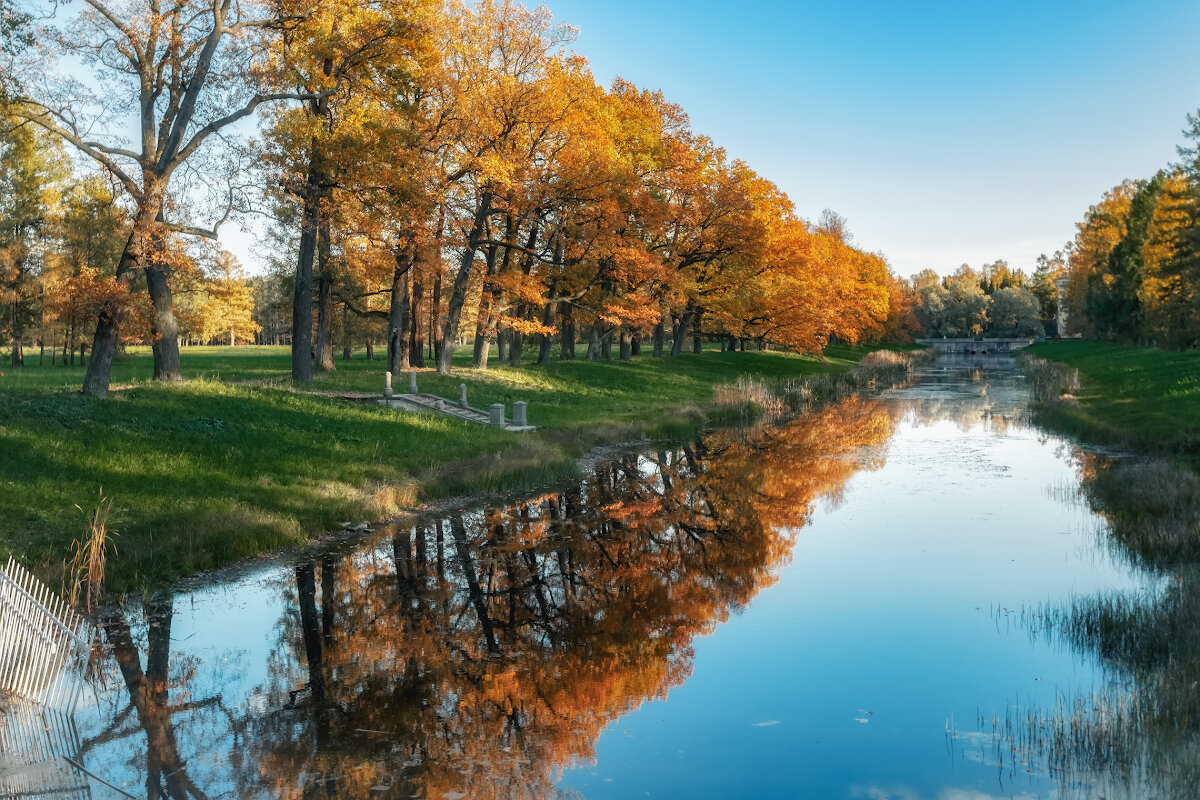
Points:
x=435 y=318
x=522 y=310
x=593 y=351
x=416 y=342
x=697 y=342
x=18 y=333
x=42 y=331
x=626 y=343
x=302 y=299
x=166 y=770
x=18 y=355
x=324 y=300
x=398 y=311
x=474 y=591
x=371 y=349
x=681 y=329
x=483 y=319
x=458 y=294
x=606 y=344
x=516 y=346
x=566 y=350
x=502 y=336
x=310 y=626
x=547 y=338
x=347 y=349
x=165 y=327
x=108 y=324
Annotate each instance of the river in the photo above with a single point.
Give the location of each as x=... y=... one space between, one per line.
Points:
x=845 y=605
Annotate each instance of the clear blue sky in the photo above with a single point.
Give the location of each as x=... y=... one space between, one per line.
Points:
x=945 y=132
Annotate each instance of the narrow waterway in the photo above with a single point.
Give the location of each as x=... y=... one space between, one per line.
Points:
x=841 y=606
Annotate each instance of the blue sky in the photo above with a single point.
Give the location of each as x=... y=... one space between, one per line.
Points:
x=944 y=132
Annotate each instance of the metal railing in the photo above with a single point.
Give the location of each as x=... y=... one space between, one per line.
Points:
x=39 y=749
x=44 y=643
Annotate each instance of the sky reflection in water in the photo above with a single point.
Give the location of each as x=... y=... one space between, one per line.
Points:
x=798 y=611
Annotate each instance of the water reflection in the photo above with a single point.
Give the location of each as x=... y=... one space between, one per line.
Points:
x=480 y=654
x=1139 y=735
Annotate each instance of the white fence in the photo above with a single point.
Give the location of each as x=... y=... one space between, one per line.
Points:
x=38 y=752
x=44 y=644
x=44 y=650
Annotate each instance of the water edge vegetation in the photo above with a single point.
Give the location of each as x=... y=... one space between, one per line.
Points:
x=239 y=462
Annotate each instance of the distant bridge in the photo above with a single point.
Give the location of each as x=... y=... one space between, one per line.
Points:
x=977 y=346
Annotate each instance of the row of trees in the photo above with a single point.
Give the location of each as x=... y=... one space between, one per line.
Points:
x=1134 y=271
x=61 y=237
x=453 y=173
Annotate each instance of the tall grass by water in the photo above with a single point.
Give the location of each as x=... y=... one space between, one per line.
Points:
x=752 y=397
x=1139 y=734
x=1135 y=396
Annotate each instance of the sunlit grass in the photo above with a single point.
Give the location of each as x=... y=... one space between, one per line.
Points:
x=237 y=461
x=1141 y=396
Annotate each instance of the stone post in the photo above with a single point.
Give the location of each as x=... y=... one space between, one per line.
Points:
x=412 y=381
x=462 y=395
x=497 y=415
x=387 y=384
x=519 y=414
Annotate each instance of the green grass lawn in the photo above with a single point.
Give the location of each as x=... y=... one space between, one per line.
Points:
x=1146 y=397
x=236 y=461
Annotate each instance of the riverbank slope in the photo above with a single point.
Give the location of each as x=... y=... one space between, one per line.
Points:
x=237 y=461
x=1134 y=396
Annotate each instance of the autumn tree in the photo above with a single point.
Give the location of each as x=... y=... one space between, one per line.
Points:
x=187 y=72
x=32 y=171
x=497 y=73
x=344 y=55
x=228 y=308
x=1101 y=230
x=956 y=307
x=89 y=236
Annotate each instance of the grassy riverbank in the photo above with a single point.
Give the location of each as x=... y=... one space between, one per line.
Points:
x=236 y=462
x=1133 y=396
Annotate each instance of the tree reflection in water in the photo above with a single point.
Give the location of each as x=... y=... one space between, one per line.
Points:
x=481 y=654
x=1141 y=736
x=162 y=707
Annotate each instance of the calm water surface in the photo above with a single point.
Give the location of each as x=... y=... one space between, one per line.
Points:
x=830 y=608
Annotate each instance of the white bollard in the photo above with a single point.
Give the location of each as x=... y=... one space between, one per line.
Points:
x=387 y=384
x=412 y=381
x=462 y=395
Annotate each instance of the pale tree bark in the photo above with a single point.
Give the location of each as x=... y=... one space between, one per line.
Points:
x=302 y=297
x=416 y=341
x=398 y=311
x=458 y=294
x=483 y=320
x=324 y=346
